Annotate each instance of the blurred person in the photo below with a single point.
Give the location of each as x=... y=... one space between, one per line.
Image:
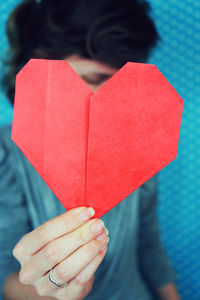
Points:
x=37 y=234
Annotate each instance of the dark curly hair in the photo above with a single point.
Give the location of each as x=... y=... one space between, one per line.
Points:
x=110 y=31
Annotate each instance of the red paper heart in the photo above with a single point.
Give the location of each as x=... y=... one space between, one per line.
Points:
x=94 y=149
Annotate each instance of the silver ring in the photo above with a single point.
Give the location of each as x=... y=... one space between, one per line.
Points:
x=54 y=281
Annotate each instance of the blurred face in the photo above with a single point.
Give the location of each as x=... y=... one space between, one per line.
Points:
x=92 y=72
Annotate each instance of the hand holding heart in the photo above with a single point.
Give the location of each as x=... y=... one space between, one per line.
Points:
x=69 y=243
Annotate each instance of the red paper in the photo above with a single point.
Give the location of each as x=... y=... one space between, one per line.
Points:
x=94 y=149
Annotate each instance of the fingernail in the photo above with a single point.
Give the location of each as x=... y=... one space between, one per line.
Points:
x=86 y=214
x=97 y=226
x=92 y=211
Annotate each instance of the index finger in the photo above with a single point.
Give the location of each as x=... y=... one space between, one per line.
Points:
x=52 y=229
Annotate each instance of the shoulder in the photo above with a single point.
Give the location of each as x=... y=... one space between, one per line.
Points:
x=5 y=142
x=8 y=149
x=148 y=194
x=150 y=184
x=9 y=187
x=11 y=157
x=5 y=134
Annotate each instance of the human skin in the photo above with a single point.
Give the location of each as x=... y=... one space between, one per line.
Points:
x=16 y=287
x=66 y=243
x=94 y=73
x=92 y=69
x=84 y=269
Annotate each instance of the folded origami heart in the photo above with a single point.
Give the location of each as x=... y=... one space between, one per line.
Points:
x=94 y=149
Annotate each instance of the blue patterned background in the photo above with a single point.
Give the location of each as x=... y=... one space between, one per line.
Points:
x=178 y=58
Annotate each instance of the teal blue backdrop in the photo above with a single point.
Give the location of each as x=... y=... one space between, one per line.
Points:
x=178 y=58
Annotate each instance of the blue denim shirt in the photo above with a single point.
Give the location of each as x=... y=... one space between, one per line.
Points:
x=135 y=262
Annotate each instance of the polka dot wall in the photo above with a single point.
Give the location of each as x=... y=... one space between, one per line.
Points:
x=178 y=58
x=5 y=108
